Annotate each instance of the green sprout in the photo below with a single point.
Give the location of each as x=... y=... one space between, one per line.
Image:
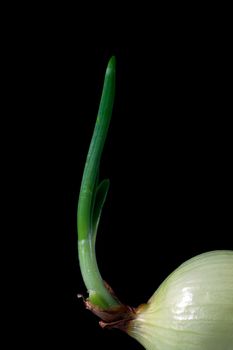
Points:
x=92 y=197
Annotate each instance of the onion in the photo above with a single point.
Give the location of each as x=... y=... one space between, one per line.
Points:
x=192 y=309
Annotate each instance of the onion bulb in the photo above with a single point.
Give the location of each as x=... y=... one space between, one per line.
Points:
x=193 y=307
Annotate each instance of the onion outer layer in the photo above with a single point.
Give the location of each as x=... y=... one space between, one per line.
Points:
x=192 y=309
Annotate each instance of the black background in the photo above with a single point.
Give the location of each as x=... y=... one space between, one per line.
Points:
x=168 y=157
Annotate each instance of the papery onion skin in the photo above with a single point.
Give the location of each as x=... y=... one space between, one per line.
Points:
x=192 y=309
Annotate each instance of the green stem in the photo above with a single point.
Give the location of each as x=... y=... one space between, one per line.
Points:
x=92 y=197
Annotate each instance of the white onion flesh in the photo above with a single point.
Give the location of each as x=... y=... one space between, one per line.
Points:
x=192 y=309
